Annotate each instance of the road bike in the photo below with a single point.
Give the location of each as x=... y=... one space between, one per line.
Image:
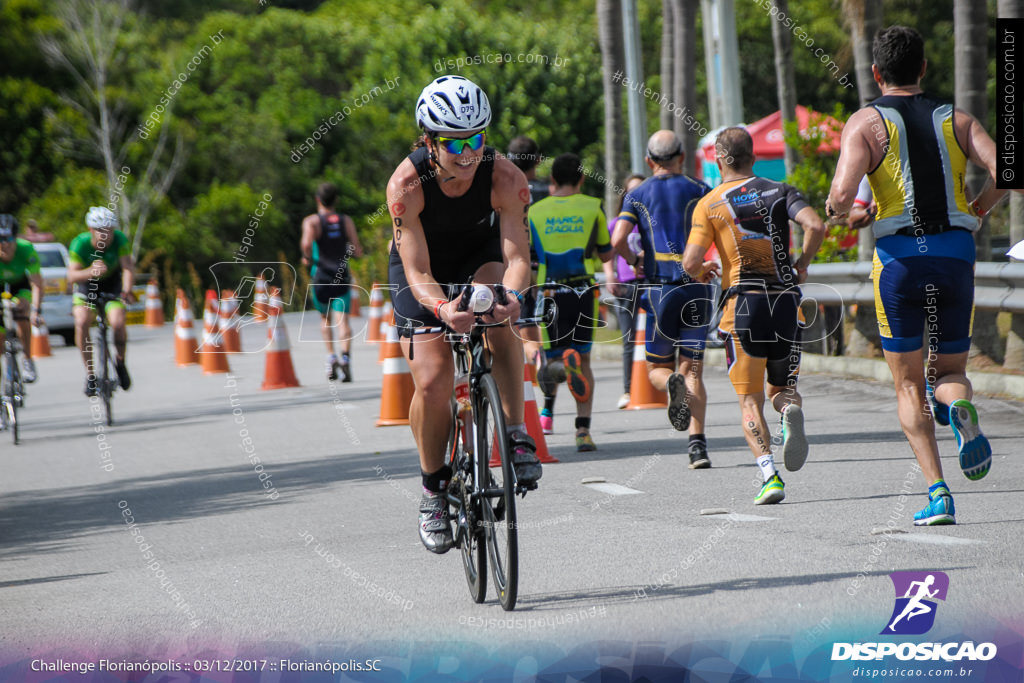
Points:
x=105 y=369
x=483 y=487
x=12 y=392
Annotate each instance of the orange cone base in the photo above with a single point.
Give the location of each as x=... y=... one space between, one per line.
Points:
x=279 y=372
x=390 y=422
x=186 y=353
x=395 y=398
x=534 y=430
x=41 y=346
x=214 y=362
x=231 y=341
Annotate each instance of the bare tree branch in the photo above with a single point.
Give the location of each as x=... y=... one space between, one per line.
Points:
x=89 y=51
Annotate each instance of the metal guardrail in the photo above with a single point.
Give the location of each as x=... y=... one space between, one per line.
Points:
x=997 y=286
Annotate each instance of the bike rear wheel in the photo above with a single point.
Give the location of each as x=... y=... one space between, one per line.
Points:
x=467 y=516
x=498 y=508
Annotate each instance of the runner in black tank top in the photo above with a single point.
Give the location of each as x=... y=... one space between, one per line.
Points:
x=458 y=215
x=329 y=243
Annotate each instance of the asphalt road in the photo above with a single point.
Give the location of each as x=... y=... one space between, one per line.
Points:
x=330 y=559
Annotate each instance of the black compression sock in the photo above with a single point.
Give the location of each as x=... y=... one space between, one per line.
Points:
x=437 y=481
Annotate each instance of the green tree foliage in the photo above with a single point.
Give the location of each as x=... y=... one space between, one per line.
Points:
x=813 y=175
x=343 y=75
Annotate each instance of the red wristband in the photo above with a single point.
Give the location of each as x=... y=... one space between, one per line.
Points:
x=437 y=307
x=977 y=210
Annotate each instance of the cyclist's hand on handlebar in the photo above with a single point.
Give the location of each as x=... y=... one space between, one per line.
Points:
x=505 y=311
x=129 y=297
x=35 y=318
x=459 y=321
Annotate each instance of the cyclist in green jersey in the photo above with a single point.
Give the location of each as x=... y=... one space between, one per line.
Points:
x=101 y=261
x=19 y=272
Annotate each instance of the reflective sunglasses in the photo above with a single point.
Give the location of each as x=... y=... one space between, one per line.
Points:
x=457 y=145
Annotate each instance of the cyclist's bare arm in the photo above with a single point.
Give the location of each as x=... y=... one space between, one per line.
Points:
x=78 y=272
x=405 y=202
x=35 y=281
x=510 y=197
x=127 y=276
x=860 y=150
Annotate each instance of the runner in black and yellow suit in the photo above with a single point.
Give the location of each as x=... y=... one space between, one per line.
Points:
x=914 y=151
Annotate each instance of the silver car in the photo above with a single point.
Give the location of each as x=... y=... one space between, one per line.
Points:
x=53 y=262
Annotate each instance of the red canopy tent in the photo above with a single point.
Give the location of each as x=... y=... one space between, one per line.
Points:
x=769 y=144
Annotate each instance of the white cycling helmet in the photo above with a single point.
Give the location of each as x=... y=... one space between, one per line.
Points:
x=453 y=105
x=100 y=217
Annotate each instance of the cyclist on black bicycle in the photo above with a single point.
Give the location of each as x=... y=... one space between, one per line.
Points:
x=19 y=271
x=459 y=214
x=101 y=261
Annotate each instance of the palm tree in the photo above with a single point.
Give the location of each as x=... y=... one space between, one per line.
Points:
x=684 y=91
x=667 y=71
x=970 y=22
x=785 y=78
x=863 y=19
x=613 y=61
x=1013 y=358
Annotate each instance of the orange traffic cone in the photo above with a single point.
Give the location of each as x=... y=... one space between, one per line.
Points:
x=184 y=334
x=373 y=334
x=260 y=301
x=387 y=321
x=397 y=387
x=229 y=323
x=40 y=346
x=532 y=419
x=154 y=307
x=642 y=393
x=279 y=372
x=212 y=356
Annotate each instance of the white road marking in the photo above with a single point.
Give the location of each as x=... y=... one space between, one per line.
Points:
x=613 y=489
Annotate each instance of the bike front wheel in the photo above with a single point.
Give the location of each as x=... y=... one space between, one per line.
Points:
x=106 y=383
x=10 y=400
x=467 y=516
x=498 y=494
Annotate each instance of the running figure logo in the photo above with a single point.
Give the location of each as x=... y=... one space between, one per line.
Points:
x=914 y=613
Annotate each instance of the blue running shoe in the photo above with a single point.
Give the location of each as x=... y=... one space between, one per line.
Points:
x=939 y=510
x=940 y=411
x=975 y=451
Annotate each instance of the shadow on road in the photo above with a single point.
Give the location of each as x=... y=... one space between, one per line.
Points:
x=620 y=595
x=51 y=520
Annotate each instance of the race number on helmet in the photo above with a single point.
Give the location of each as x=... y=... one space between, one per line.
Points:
x=453 y=104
